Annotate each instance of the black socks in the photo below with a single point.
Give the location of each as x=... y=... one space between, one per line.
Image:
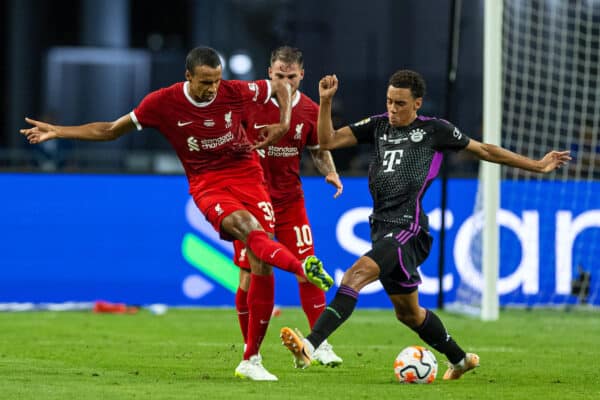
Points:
x=338 y=311
x=433 y=332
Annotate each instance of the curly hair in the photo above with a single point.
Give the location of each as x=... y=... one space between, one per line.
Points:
x=408 y=79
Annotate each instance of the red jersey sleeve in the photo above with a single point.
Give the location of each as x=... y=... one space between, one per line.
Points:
x=148 y=112
x=254 y=91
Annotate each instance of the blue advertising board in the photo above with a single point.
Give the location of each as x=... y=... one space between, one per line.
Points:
x=141 y=240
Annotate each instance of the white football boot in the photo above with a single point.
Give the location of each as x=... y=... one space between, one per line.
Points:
x=253 y=369
x=324 y=355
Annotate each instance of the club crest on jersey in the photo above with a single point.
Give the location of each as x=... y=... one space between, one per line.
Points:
x=228 y=120
x=298 y=134
x=209 y=123
x=219 y=209
x=416 y=135
x=193 y=144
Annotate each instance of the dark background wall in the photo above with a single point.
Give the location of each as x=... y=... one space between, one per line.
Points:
x=142 y=45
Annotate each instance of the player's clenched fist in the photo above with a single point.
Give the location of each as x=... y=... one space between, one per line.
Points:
x=328 y=86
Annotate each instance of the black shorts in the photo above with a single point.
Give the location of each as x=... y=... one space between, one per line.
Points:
x=398 y=255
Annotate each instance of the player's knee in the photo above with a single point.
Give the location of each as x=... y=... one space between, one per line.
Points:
x=361 y=274
x=240 y=224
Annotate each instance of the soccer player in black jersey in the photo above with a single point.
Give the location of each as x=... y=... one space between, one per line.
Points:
x=407 y=157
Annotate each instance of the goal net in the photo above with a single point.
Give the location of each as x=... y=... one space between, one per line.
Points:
x=549 y=225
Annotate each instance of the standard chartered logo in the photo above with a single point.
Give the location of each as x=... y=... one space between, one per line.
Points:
x=193 y=144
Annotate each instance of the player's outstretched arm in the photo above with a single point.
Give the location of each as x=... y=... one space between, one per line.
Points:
x=97 y=131
x=324 y=163
x=499 y=155
x=271 y=134
x=330 y=138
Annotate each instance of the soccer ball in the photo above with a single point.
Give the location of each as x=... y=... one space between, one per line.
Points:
x=415 y=364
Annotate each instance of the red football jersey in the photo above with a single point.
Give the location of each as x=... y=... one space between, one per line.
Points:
x=207 y=137
x=281 y=161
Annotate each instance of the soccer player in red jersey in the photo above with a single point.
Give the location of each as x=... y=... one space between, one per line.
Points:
x=201 y=118
x=281 y=166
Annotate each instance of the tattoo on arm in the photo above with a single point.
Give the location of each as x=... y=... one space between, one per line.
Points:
x=323 y=161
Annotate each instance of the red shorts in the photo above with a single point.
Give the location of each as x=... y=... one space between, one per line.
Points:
x=218 y=203
x=292 y=229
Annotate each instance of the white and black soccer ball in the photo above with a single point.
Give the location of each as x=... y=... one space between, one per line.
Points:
x=415 y=364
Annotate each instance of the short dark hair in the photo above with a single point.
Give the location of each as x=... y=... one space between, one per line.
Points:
x=288 y=55
x=408 y=79
x=202 y=56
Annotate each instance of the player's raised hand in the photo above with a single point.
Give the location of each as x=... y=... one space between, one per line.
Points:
x=40 y=132
x=270 y=134
x=554 y=159
x=328 y=86
x=334 y=179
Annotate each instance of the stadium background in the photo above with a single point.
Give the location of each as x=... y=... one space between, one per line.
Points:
x=84 y=221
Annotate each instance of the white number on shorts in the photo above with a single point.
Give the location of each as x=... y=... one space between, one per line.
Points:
x=267 y=208
x=303 y=236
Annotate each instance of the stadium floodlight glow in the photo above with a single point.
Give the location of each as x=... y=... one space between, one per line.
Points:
x=240 y=63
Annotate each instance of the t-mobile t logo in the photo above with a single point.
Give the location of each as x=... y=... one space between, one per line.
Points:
x=391 y=158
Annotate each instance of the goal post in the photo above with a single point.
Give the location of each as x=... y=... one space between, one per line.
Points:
x=490 y=172
x=539 y=247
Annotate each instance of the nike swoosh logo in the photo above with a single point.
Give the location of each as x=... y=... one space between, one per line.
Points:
x=319 y=305
x=302 y=251
x=256 y=126
x=179 y=123
x=263 y=322
x=275 y=252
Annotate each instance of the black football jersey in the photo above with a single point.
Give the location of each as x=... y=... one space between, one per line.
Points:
x=405 y=161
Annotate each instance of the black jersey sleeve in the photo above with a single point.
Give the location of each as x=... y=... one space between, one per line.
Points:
x=449 y=137
x=363 y=130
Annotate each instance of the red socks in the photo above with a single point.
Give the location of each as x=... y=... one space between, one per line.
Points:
x=241 y=306
x=311 y=297
x=273 y=253
x=261 y=299
x=313 y=301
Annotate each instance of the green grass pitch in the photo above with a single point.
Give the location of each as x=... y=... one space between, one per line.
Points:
x=192 y=353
